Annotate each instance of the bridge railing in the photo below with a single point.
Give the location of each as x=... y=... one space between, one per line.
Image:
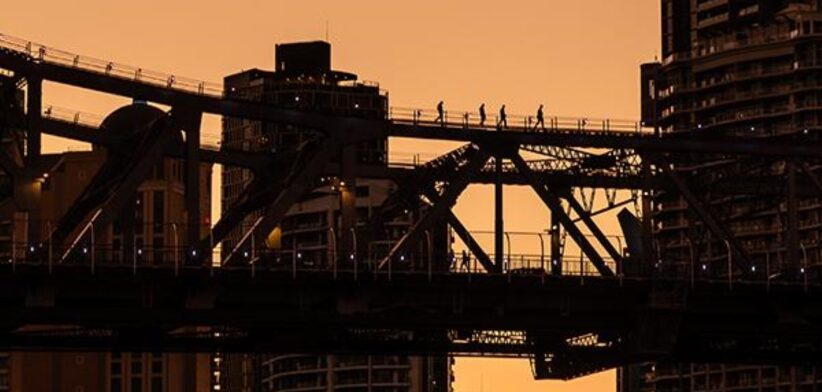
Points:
x=42 y=53
x=418 y=116
x=71 y=116
x=514 y=122
x=19 y=255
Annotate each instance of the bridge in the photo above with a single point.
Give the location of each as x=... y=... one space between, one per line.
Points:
x=615 y=302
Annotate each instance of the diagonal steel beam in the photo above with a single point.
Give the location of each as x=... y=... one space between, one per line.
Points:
x=472 y=244
x=447 y=200
x=817 y=183
x=309 y=166
x=554 y=204
x=585 y=216
x=707 y=215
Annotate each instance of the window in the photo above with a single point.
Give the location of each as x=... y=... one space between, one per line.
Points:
x=158 y=249
x=156 y=384
x=116 y=384
x=136 y=367
x=136 y=384
x=159 y=211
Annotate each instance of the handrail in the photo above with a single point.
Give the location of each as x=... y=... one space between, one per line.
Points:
x=37 y=52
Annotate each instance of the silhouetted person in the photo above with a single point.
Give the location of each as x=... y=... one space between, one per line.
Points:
x=466 y=261
x=540 y=119
x=440 y=114
x=482 y=115
x=503 y=118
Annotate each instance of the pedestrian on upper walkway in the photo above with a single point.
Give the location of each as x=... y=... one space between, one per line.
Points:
x=503 y=118
x=440 y=113
x=540 y=119
x=482 y=115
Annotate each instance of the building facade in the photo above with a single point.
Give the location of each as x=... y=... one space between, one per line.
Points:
x=158 y=218
x=736 y=67
x=329 y=227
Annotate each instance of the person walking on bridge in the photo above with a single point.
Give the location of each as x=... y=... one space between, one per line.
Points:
x=503 y=118
x=466 y=261
x=440 y=114
x=482 y=115
x=540 y=118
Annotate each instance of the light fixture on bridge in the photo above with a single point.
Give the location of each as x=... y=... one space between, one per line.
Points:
x=85 y=250
x=704 y=267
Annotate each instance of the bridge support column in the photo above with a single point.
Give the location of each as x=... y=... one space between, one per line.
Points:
x=194 y=223
x=499 y=226
x=34 y=109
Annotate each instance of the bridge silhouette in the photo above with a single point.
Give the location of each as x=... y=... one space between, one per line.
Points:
x=614 y=303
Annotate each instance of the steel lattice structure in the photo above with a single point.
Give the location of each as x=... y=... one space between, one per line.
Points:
x=627 y=307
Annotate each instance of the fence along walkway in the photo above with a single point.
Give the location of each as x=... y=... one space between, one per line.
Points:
x=451 y=119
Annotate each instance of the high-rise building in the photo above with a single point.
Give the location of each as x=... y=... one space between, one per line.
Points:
x=736 y=67
x=329 y=225
x=159 y=218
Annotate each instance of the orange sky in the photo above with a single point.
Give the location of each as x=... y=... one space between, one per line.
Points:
x=577 y=57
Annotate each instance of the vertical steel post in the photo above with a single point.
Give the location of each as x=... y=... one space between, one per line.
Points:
x=556 y=245
x=730 y=266
x=48 y=229
x=34 y=112
x=176 y=249
x=91 y=223
x=793 y=218
x=541 y=258
x=192 y=180
x=499 y=225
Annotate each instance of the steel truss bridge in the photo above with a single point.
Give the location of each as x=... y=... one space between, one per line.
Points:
x=616 y=307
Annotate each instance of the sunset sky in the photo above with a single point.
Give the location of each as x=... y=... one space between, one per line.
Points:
x=579 y=58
